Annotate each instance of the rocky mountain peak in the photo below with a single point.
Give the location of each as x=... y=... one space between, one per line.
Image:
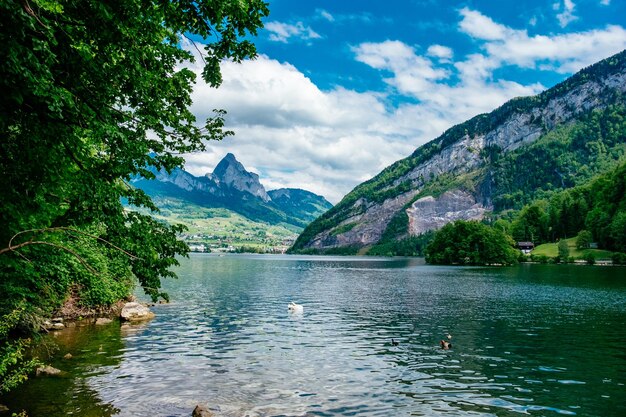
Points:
x=232 y=173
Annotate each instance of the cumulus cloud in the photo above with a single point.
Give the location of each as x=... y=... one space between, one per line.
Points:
x=441 y=101
x=482 y=27
x=413 y=74
x=282 y=32
x=294 y=134
x=564 y=53
x=439 y=51
x=567 y=12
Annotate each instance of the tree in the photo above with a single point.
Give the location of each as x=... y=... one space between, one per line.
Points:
x=617 y=231
x=563 y=250
x=471 y=243
x=532 y=223
x=584 y=239
x=96 y=94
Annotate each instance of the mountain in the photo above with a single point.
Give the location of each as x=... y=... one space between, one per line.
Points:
x=232 y=187
x=232 y=173
x=299 y=203
x=493 y=162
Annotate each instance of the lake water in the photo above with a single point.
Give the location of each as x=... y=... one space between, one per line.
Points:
x=535 y=339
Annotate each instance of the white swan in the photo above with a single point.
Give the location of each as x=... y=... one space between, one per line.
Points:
x=296 y=308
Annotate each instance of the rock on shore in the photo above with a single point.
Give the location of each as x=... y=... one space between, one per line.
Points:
x=47 y=371
x=201 y=410
x=134 y=311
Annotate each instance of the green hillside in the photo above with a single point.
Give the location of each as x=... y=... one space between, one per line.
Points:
x=551 y=250
x=221 y=229
x=564 y=155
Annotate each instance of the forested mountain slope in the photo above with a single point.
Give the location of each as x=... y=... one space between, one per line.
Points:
x=505 y=159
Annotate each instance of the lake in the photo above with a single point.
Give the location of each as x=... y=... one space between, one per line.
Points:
x=533 y=339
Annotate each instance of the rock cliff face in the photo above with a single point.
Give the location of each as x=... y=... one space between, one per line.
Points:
x=519 y=128
x=404 y=191
x=430 y=213
x=186 y=181
x=232 y=173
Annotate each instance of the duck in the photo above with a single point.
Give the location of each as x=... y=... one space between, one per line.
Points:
x=296 y=308
x=394 y=342
x=445 y=344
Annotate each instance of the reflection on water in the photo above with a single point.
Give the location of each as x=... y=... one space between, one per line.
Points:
x=534 y=339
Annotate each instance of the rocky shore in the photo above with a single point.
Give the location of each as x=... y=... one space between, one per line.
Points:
x=72 y=315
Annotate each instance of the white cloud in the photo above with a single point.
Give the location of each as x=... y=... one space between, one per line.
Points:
x=567 y=14
x=482 y=27
x=326 y=15
x=295 y=134
x=282 y=32
x=605 y=2
x=441 y=103
x=564 y=53
x=439 y=51
x=413 y=74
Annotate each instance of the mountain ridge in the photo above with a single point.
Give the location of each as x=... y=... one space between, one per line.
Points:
x=461 y=160
x=232 y=187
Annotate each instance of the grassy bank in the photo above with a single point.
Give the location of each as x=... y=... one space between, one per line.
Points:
x=551 y=250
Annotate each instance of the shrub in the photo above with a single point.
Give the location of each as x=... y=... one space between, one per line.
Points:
x=619 y=258
x=14 y=364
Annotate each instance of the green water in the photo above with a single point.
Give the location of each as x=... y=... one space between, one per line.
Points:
x=535 y=339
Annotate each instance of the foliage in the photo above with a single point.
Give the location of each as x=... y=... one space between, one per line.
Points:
x=342 y=229
x=221 y=227
x=14 y=364
x=584 y=239
x=597 y=207
x=590 y=258
x=471 y=243
x=563 y=251
x=339 y=250
x=249 y=249
x=542 y=259
x=619 y=258
x=565 y=157
x=410 y=246
x=94 y=95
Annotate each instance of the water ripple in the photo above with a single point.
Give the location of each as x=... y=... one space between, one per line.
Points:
x=228 y=340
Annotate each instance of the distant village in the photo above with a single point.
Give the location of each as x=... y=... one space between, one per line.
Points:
x=249 y=243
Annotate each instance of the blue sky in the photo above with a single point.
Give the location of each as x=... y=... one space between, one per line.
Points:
x=342 y=89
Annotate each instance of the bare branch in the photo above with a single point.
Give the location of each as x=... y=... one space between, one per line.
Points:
x=68 y=230
x=195 y=46
x=65 y=248
x=29 y=11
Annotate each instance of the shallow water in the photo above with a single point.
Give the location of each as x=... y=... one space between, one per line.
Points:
x=535 y=339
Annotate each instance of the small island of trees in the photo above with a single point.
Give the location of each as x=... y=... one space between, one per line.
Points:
x=471 y=243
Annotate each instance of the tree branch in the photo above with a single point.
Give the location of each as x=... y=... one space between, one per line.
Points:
x=10 y=247
x=65 y=248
